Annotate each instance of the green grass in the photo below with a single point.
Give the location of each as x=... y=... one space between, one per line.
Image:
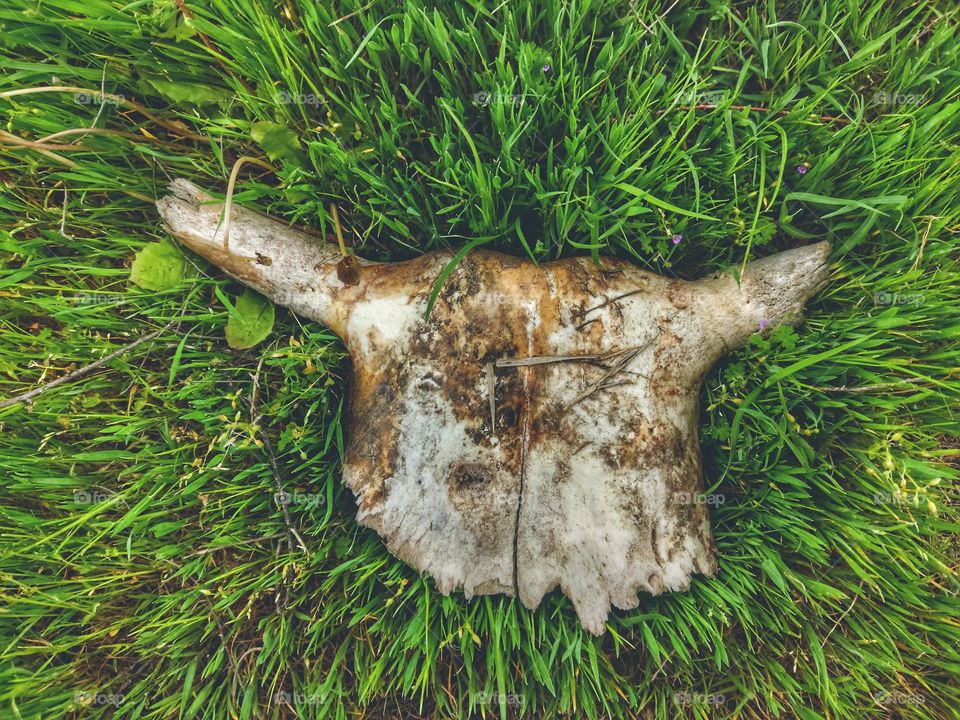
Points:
x=146 y=570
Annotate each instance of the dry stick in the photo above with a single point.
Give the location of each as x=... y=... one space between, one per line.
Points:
x=63 y=215
x=14 y=140
x=491 y=380
x=866 y=388
x=840 y=619
x=81 y=372
x=628 y=355
x=335 y=216
x=11 y=139
x=228 y=205
x=350 y=15
x=100 y=131
x=207 y=551
x=608 y=302
x=282 y=499
x=544 y=359
x=172 y=125
x=923 y=240
x=43 y=144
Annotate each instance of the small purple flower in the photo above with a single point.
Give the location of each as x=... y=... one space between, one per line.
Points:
x=802 y=169
x=763 y=325
x=546 y=68
x=676 y=239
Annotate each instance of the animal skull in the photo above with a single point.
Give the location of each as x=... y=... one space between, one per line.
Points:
x=540 y=428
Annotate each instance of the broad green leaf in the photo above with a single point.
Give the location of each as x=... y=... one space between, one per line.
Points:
x=165 y=528
x=158 y=266
x=253 y=320
x=278 y=141
x=183 y=93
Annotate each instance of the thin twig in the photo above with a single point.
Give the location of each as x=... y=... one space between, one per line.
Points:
x=228 y=204
x=282 y=499
x=923 y=240
x=10 y=139
x=608 y=302
x=85 y=370
x=545 y=359
x=207 y=551
x=335 y=216
x=350 y=15
x=840 y=619
x=16 y=141
x=63 y=215
x=99 y=131
x=628 y=355
x=866 y=388
x=175 y=126
x=103 y=100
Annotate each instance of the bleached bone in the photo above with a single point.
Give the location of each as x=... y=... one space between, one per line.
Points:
x=582 y=469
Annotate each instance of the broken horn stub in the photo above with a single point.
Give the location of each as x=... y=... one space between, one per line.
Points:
x=770 y=292
x=291 y=267
x=539 y=429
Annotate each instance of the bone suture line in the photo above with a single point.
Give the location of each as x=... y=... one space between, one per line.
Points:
x=491 y=394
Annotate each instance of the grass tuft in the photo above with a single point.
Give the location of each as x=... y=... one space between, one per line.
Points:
x=147 y=569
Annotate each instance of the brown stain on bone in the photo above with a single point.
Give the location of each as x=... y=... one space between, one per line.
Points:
x=493 y=307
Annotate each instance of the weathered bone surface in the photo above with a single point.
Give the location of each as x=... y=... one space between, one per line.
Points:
x=581 y=470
